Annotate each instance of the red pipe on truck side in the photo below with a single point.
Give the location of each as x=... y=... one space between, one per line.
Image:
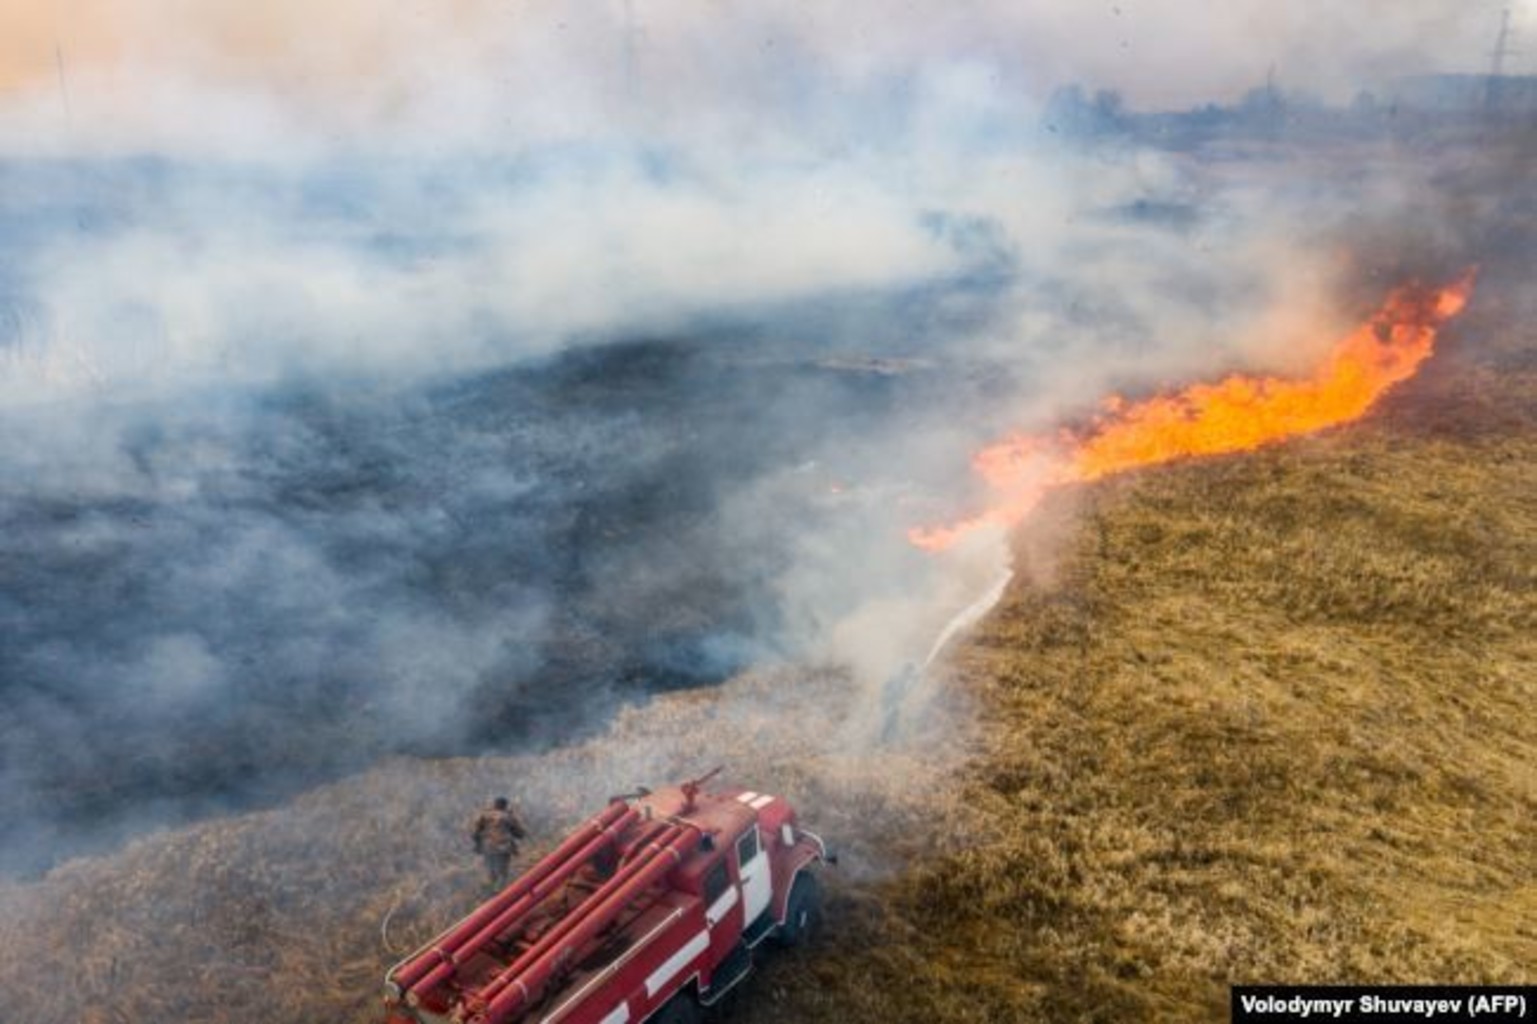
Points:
x=560 y=859
x=598 y=907
x=530 y=899
x=552 y=952
x=663 y=834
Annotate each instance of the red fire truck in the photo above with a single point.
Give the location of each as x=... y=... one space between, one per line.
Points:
x=646 y=912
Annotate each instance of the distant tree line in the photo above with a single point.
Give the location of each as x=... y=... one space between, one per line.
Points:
x=1269 y=111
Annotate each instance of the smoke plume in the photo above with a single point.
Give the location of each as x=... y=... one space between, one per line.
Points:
x=438 y=379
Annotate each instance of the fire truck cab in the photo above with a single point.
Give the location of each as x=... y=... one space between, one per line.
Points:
x=647 y=911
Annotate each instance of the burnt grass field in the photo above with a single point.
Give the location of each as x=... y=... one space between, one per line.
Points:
x=1260 y=718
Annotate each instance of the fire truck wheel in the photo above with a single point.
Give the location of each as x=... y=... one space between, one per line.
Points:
x=804 y=913
x=682 y=1008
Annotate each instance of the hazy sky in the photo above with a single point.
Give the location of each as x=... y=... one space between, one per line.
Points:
x=155 y=74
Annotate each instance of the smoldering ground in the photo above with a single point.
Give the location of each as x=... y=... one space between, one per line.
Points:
x=286 y=497
x=228 y=591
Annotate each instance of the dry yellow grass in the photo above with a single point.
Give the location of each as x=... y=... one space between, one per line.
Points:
x=1268 y=718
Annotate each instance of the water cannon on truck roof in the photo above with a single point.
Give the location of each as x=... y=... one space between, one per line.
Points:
x=647 y=911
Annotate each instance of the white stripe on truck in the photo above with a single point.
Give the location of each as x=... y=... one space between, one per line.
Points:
x=675 y=963
x=719 y=907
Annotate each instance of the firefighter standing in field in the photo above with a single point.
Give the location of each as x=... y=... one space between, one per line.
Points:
x=496 y=832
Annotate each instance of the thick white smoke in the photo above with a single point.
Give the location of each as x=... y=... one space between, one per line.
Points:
x=393 y=377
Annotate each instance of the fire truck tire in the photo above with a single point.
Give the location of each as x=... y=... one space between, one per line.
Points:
x=682 y=1008
x=803 y=914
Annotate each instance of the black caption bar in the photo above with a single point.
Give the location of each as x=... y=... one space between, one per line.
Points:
x=1381 y=1004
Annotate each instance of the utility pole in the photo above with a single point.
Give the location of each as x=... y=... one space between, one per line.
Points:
x=628 y=44
x=1497 y=62
x=58 y=59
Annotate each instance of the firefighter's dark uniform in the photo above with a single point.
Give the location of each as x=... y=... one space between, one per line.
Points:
x=496 y=832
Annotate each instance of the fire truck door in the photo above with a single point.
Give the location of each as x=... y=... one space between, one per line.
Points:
x=753 y=867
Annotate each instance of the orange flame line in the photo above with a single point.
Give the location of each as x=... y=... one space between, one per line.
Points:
x=1235 y=414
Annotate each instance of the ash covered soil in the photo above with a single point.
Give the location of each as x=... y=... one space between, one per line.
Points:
x=1256 y=718
x=244 y=594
